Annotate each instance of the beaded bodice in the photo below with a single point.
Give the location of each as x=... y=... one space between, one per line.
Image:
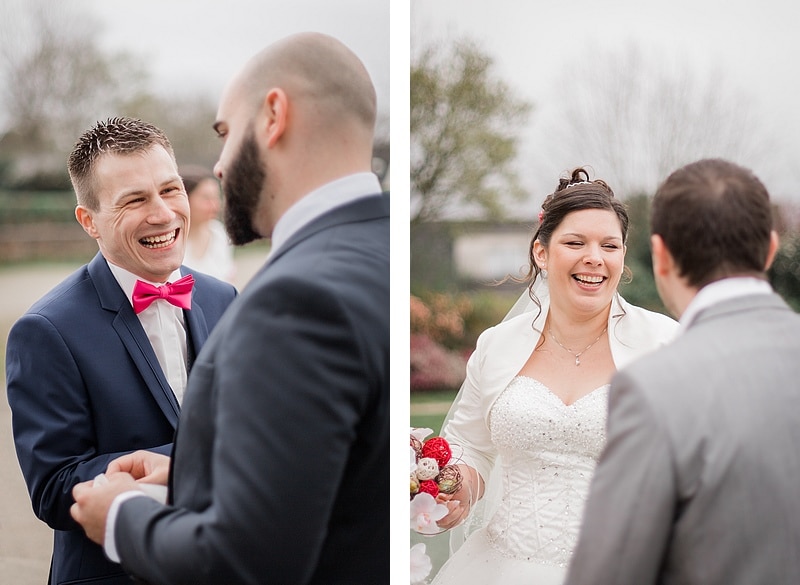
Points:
x=548 y=452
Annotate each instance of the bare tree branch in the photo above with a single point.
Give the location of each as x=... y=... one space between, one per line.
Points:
x=635 y=118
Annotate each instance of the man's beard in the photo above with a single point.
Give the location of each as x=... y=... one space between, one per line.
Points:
x=242 y=186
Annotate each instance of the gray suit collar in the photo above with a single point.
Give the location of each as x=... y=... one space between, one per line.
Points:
x=739 y=305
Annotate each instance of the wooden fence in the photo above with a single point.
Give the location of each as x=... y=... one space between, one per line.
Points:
x=44 y=241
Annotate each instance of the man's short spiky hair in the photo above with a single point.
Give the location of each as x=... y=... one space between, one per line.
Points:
x=117 y=135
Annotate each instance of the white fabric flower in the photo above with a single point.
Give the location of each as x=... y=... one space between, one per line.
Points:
x=420 y=434
x=413 y=460
x=427 y=468
x=425 y=512
x=421 y=564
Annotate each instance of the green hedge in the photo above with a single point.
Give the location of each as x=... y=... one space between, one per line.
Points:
x=22 y=207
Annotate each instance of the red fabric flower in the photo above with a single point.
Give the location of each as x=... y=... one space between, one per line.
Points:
x=429 y=487
x=439 y=449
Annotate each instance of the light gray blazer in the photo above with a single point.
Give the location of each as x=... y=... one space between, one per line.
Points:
x=699 y=482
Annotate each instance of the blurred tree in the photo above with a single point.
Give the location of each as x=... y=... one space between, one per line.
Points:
x=784 y=275
x=641 y=290
x=55 y=82
x=635 y=117
x=187 y=121
x=464 y=133
x=381 y=161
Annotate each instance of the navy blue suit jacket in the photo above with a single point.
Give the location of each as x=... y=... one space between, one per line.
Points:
x=280 y=469
x=85 y=387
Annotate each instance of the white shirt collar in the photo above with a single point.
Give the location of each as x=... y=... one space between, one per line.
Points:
x=127 y=280
x=722 y=290
x=320 y=201
x=165 y=327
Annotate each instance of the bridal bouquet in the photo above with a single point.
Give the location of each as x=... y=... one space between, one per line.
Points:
x=433 y=472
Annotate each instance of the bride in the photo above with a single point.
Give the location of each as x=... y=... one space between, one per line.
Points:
x=531 y=413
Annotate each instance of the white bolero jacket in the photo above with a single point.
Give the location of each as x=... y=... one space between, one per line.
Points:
x=501 y=352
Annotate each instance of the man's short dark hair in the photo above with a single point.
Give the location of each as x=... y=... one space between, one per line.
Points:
x=116 y=135
x=715 y=219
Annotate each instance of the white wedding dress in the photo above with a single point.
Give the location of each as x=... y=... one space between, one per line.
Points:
x=548 y=451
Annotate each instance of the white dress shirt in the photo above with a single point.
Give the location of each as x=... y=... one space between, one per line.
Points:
x=722 y=290
x=165 y=328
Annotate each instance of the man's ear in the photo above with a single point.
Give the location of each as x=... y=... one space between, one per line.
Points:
x=275 y=109
x=662 y=259
x=774 y=242
x=85 y=217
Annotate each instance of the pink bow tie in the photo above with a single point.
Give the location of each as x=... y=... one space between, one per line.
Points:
x=178 y=293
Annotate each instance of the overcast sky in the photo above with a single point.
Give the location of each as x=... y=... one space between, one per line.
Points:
x=197 y=45
x=754 y=44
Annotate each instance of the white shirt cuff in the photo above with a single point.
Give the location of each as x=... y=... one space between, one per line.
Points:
x=110 y=545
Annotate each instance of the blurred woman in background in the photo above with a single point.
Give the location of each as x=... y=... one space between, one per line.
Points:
x=208 y=249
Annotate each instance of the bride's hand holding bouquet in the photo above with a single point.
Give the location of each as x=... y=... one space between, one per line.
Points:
x=459 y=503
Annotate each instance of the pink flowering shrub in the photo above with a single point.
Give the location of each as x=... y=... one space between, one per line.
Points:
x=444 y=329
x=433 y=367
x=440 y=317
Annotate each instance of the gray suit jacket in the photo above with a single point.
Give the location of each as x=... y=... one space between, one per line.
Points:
x=700 y=479
x=280 y=464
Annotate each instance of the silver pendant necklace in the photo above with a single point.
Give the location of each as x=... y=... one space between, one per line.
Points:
x=580 y=353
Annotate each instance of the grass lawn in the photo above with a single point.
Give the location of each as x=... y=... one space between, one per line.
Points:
x=428 y=409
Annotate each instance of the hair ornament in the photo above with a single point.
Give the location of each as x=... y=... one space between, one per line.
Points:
x=541 y=215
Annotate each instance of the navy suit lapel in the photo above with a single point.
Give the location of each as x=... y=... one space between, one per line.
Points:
x=133 y=337
x=196 y=325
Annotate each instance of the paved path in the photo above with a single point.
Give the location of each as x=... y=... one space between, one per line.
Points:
x=25 y=542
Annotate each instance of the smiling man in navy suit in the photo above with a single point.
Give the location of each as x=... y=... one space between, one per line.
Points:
x=280 y=465
x=98 y=366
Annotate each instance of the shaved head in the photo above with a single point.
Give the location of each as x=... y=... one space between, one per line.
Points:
x=317 y=69
x=300 y=114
